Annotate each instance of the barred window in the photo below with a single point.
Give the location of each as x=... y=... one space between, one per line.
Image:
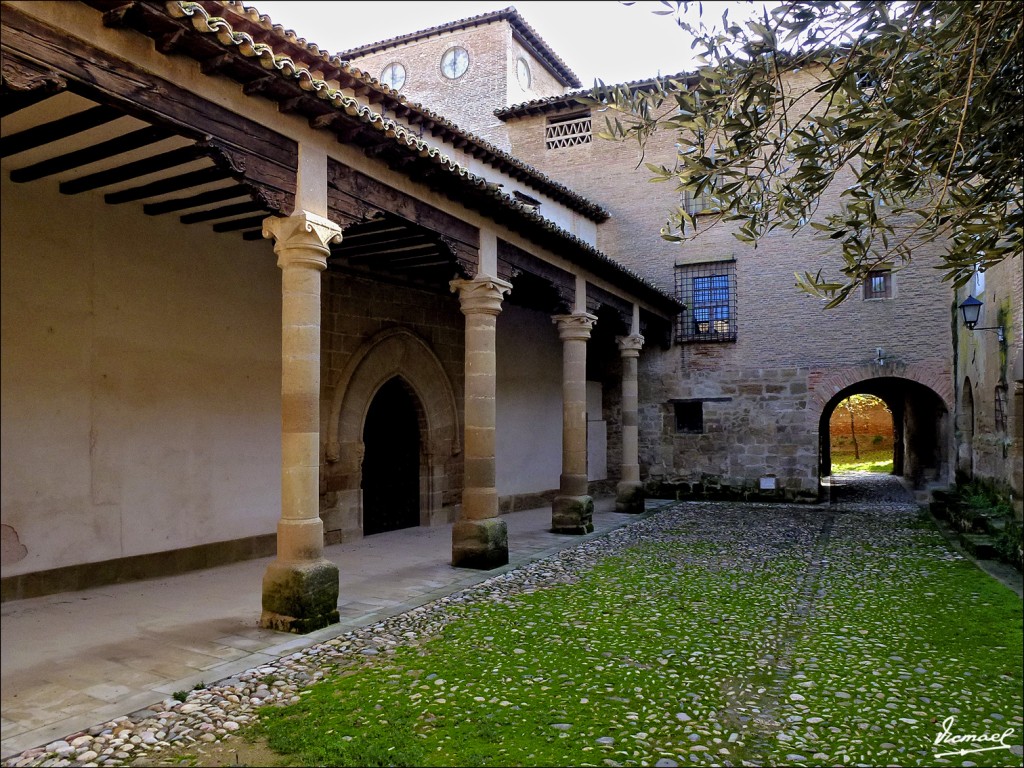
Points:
x=709 y=292
x=567 y=131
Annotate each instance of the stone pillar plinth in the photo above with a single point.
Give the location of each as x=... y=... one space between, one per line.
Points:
x=479 y=536
x=572 y=510
x=300 y=587
x=629 y=494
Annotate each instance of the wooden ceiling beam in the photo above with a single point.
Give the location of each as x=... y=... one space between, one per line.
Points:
x=234 y=226
x=132 y=170
x=105 y=149
x=56 y=130
x=166 y=186
x=194 y=201
x=223 y=212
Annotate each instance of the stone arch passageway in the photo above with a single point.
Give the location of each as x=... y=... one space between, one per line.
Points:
x=921 y=428
x=397 y=368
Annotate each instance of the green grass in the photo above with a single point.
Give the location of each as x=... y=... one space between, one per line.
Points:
x=872 y=459
x=691 y=626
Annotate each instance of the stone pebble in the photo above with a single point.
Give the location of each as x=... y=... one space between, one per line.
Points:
x=216 y=711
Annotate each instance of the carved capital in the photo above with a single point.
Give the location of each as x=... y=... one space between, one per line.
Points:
x=302 y=240
x=575 y=327
x=629 y=346
x=482 y=295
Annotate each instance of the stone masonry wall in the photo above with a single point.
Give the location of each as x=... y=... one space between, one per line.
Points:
x=786 y=342
x=354 y=310
x=993 y=447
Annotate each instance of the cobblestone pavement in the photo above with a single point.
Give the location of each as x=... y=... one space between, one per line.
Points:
x=835 y=553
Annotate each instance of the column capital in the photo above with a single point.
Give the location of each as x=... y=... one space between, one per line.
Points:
x=629 y=346
x=481 y=295
x=574 y=327
x=302 y=240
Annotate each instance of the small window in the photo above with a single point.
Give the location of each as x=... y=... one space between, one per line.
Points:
x=878 y=284
x=708 y=290
x=696 y=204
x=690 y=416
x=393 y=76
x=567 y=131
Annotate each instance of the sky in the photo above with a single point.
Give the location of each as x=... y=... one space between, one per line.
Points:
x=598 y=39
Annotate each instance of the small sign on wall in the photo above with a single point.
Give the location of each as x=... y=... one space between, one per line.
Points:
x=768 y=483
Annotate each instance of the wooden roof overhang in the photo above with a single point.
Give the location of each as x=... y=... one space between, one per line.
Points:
x=243 y=156
x=173 y=35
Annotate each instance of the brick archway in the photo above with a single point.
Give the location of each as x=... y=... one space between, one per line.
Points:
x=824 y=385
x=920 y=398
x=395 y=352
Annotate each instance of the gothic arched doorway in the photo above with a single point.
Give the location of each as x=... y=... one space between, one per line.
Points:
x=391 y=462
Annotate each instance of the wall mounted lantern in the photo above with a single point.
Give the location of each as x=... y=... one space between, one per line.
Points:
x=971 y=309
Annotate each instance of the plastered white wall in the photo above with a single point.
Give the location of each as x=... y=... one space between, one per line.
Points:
x=529 y=402
x=140 y=381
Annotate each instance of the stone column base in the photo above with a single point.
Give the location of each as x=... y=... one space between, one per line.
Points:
x=300 y=597
x=629 y=498
x=480 y=544
x=572 y=514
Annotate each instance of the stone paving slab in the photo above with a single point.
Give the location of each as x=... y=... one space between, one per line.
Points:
x=72 y=660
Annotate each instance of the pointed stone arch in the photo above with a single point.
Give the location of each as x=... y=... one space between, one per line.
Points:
x=394 y=352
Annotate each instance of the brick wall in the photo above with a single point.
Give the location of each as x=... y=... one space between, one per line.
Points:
x=488 y=84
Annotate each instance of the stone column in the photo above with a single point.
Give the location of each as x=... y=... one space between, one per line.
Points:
x=479 y=536
x=300 y=587
x=573 y=510
x=629 y=494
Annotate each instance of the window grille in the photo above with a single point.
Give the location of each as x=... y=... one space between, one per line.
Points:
x=567 y=131
x=704 y=202
x=709 y=292
x=878 y=284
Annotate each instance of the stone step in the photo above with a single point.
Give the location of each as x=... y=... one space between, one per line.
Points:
x=981 y=545
x=995 y=525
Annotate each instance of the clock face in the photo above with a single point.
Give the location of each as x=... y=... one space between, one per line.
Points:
x=523 y=73
x=393 y=76
x=454 y=62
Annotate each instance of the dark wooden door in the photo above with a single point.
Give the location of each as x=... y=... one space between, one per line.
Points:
x=391 y=462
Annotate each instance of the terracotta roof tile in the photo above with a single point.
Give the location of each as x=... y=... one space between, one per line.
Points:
x=400 y=136
x=580 y=96
x=314 y=58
